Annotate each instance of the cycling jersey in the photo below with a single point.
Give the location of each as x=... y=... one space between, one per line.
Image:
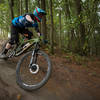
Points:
x=22 y=22
x=19 y=25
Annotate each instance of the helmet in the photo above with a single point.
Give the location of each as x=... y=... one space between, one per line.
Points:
x=38 y=13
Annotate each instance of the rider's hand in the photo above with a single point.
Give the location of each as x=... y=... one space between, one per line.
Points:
x=42 y=38
x=39 y=34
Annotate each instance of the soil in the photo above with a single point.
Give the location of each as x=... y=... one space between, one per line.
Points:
x=69 y=81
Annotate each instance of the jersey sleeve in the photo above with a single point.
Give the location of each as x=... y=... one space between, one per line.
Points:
x=34 y=24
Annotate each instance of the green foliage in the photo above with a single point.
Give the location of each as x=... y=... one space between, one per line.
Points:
x=4 y=16
x=70 y=37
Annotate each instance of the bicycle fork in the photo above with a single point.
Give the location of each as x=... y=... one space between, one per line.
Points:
x=33 y=58
x=34 y=68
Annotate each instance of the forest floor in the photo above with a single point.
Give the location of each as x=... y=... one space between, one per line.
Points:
x=70 y=80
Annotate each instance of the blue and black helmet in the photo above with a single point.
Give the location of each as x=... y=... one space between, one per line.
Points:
x=38 y=13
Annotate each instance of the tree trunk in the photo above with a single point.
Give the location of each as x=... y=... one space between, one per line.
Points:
x=68 y=17
x=26 y=4
x=43 y=24
x=11 y=4
x=81 y=26
x=21 y=7
x=39 y=5
x=67 y=11
x=18 y=3
x=60 y=43
x=52 y=29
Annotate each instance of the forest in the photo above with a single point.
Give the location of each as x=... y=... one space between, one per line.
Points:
x=72 y=29
x=69 y=26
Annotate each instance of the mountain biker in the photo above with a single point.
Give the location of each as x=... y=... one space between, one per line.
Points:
x=19 y=25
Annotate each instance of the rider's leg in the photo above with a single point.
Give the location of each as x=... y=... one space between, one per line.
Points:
x=3 y=54
x=8 y=46
x=14 y=39
x=28 y=34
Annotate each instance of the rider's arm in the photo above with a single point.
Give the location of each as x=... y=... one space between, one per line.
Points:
x=37 y=29
x=30 y=18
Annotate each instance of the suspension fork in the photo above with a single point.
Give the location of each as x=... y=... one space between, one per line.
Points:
x=34 y=55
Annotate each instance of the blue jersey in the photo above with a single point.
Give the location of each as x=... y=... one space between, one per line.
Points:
x=22 y=22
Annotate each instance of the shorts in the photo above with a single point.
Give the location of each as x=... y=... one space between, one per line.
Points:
x=15 y=34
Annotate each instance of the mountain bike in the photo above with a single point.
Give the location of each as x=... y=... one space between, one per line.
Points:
x=34 y=68
x=21 y=47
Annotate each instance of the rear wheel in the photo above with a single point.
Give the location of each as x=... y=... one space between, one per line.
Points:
x=36 y=76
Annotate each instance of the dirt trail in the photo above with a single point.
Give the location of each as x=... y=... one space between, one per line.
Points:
x=11 y=89
x=68 y=82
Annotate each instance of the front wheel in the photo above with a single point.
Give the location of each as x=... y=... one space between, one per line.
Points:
x=35 y=77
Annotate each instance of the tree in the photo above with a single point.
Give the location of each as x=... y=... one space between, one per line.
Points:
x=43 y=24
x=75 y=28
x=81 y=26
x=21 y=7
x=60 y=29
x=52 y=28
x=11 y=4
x=26 y=4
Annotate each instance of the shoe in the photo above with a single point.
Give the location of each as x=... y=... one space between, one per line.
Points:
x=3 y=56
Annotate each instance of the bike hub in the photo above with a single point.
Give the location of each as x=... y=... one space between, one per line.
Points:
x=34 y=69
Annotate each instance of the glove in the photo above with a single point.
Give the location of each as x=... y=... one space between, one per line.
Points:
x=39 y=34
x=41 y=37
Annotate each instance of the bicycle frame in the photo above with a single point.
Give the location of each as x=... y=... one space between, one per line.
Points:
x=19 y=49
